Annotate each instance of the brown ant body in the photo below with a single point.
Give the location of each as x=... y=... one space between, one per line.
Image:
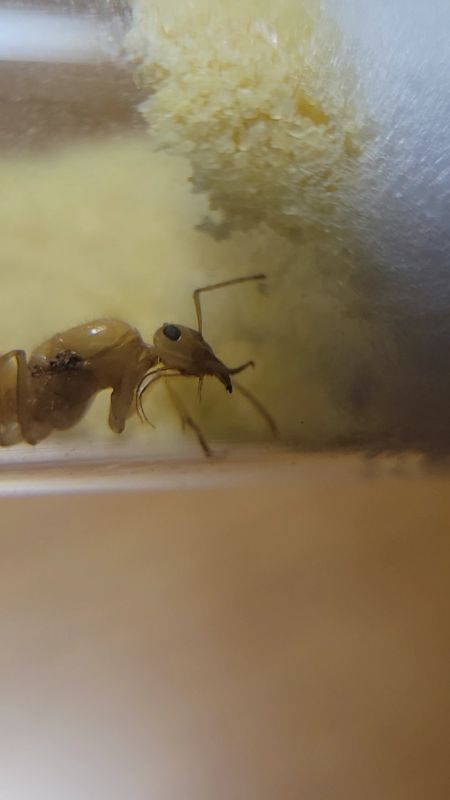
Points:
x=55 y=387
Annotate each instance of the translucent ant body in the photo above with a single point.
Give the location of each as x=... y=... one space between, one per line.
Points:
x=55 y=387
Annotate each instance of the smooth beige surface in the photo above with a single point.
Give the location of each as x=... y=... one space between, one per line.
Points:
x=228 y=643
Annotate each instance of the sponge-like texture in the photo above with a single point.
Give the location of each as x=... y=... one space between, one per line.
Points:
x=260 y=97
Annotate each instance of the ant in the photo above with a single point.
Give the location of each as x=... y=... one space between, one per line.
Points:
x=54 y=388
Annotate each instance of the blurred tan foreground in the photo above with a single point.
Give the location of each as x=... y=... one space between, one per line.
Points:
x=255 y=642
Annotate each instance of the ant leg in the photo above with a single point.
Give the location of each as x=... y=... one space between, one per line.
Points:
x=30 y=431
x=121 y=401
x=258 y=406
x=127 y=390
x=10 y=432
x=221 y=285
x=186 y=419
x=147 y=382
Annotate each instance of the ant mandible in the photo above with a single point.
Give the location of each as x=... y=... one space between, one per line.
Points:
x=54 y=388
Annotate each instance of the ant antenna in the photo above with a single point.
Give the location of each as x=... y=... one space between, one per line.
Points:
x=221 y=285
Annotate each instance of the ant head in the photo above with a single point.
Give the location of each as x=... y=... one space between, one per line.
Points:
x=184 y=349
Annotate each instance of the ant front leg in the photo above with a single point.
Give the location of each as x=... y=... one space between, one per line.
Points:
x=124 y=393
x=31 y=431
x=186 y=419
x=122 y=398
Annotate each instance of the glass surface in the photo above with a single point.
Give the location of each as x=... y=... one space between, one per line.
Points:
x=273 y=623
x=350 y=334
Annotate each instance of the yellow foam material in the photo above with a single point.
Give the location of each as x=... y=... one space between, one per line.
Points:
x=259 y=97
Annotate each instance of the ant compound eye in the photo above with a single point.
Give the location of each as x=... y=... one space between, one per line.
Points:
x=172 y=332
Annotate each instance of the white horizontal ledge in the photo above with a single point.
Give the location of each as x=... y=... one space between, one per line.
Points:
x=47 y=37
